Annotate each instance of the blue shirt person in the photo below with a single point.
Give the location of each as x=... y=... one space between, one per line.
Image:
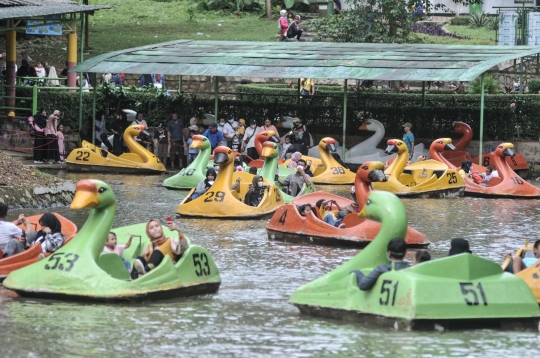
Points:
x=214 y=136
x=408 y=138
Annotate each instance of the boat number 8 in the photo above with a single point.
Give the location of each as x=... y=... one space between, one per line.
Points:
x=470 y=293
x=452 y=178
x=82 y=156
x=200 y=261
x=337 y=170
x=217 y=196
x=386 y=292
x=69 y=259
x=188 y=172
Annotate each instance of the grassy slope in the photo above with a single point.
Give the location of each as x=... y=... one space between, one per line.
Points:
x=140 y=22
x=480 y=36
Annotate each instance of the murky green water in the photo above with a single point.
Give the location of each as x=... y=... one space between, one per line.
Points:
x=250 y=316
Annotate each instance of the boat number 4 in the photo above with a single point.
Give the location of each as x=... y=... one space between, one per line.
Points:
x=56 y=258
x=388 y=291
x=200 y=261
x=471 y=293
x=337 y=170
x=82 y=156
x=452 y=178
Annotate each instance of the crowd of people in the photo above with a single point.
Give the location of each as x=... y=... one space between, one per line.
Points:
x=48 y=137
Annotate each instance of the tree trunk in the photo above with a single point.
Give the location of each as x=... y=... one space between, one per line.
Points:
x=268 y=8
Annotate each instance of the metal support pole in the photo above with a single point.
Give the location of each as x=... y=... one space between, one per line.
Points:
x=216 y=98
x=34 y=99
x=481 y=123
x=180 y=85
x=523 y=19
x=344 y=120
x=81 y=39
x=94 y=91
x=423 y=93
x=298 y=91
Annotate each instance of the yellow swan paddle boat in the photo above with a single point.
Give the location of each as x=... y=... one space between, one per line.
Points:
x=331 y=172
x=531 y=275
x=220 y=202
x=427 y=179
x=92 y=158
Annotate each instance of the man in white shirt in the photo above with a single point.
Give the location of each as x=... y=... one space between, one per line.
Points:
x=227 y=130
x=9 y=232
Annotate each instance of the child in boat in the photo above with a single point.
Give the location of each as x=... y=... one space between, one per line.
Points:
x=518 y=264
x=396 y=250
x=113 y=248
x=286 y=144
x=205 y=184
x=49 y=237
x=236 y=144
x=421 y=256
x=159 y=247
x=305 y=209
x=9 y=233
x=330 y=216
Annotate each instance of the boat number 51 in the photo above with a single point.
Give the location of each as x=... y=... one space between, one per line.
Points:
x=388 y=291
x=200 y=261
x=69 y=260
x=471 y=293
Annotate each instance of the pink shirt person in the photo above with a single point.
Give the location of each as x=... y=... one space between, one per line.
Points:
x=111 y=246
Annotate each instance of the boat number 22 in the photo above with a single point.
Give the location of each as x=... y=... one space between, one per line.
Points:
x=200 y=261
x=471 y=293
x=56 y=258
x=388 y=291
x=82 y=156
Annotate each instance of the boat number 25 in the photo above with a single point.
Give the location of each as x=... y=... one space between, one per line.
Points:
x=82 y=156
x=452 y=178
x=200 y=261
x=471 y=293
x=388 y=291
x=56 y=258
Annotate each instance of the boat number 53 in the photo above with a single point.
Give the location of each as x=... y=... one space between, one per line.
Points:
x=471 y=293
x=68 y=259
x=200 y=261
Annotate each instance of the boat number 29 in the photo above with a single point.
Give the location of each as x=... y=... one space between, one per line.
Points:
x=61 y=261
x=214 y=196
x=452 y=178
x=200 y=261
x=82 y=156
x=388 y=291
x=471 y=293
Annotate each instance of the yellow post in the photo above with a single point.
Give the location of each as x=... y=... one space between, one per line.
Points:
x=71 y=59
x=11 y=63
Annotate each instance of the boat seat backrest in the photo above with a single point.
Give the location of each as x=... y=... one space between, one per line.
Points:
x=318 y=213
x=113 y=265
x=407 y=179
x=351 y=220
x=494 y=181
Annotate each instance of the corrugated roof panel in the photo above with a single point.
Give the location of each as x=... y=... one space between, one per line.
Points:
x=25 y=12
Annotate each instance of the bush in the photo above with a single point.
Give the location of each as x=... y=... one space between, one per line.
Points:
x=478 y=19
x=491 y=85
x=534 y=86
x=459 y=20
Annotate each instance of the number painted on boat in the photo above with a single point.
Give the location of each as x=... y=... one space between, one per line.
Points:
x=388 y=290
x=283 y=217
x=82 y=156
x=218 y=196
x=337 y=170
x=452 y=178
x=278 y=194
x=471 y=293
x=69 y=259
x=200 y=261
x=188 y=172
x=513 y=161
x=517 y=180
x=486 y=161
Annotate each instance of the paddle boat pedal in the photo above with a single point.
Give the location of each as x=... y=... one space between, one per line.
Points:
x=79 y=270
x=461 y=291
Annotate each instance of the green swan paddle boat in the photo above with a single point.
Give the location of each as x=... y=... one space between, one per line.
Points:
x=270 y=152
x=190 y=176
x=460 y=291
x=80 y=271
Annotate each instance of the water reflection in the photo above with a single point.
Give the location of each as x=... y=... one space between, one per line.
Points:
x=250 y=316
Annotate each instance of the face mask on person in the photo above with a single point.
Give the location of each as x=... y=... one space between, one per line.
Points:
x=300 y=167
x=221 y=124
x=259 y=184
x=211 y=182
x=253 y=125
x=231 y=120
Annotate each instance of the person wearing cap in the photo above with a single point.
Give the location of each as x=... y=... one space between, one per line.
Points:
x=396 y=250
x=294 y=32
x=161 y=143
x=459 y=246
x=248 y=143
x=283 y=24
x=408 y=138
x=214 y=136
x=175 y=139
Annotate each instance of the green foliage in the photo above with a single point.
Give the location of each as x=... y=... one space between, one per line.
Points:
x=387 y=21
x=491 y=85
x=229 y=5
x=478 y=19
x=493 y=23
x=460 y=20
x=534 y=86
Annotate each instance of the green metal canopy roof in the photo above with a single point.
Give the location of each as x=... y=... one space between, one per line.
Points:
x=308 y=59
x=25 y=12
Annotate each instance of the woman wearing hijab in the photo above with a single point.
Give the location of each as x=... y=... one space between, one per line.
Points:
x=39 y=123
x=53 y=75
x=53 y=154
x=283 y=24
x=294 y=160
x=256 y=191
x=465 y=170
x=159 y=247
x=49 y=237
x=205 y=184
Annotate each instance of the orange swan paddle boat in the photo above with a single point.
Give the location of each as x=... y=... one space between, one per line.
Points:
x=518 y=163
x=259 y=140
x=507 y=185
x=288 y=225
x=29 y=256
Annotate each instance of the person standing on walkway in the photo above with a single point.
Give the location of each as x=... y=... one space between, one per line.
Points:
x=408 y=138
x=175 y=137
x=53 y=155
x=39 y=122
x=248 y=143
x=283 y=24
x=307 y=89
